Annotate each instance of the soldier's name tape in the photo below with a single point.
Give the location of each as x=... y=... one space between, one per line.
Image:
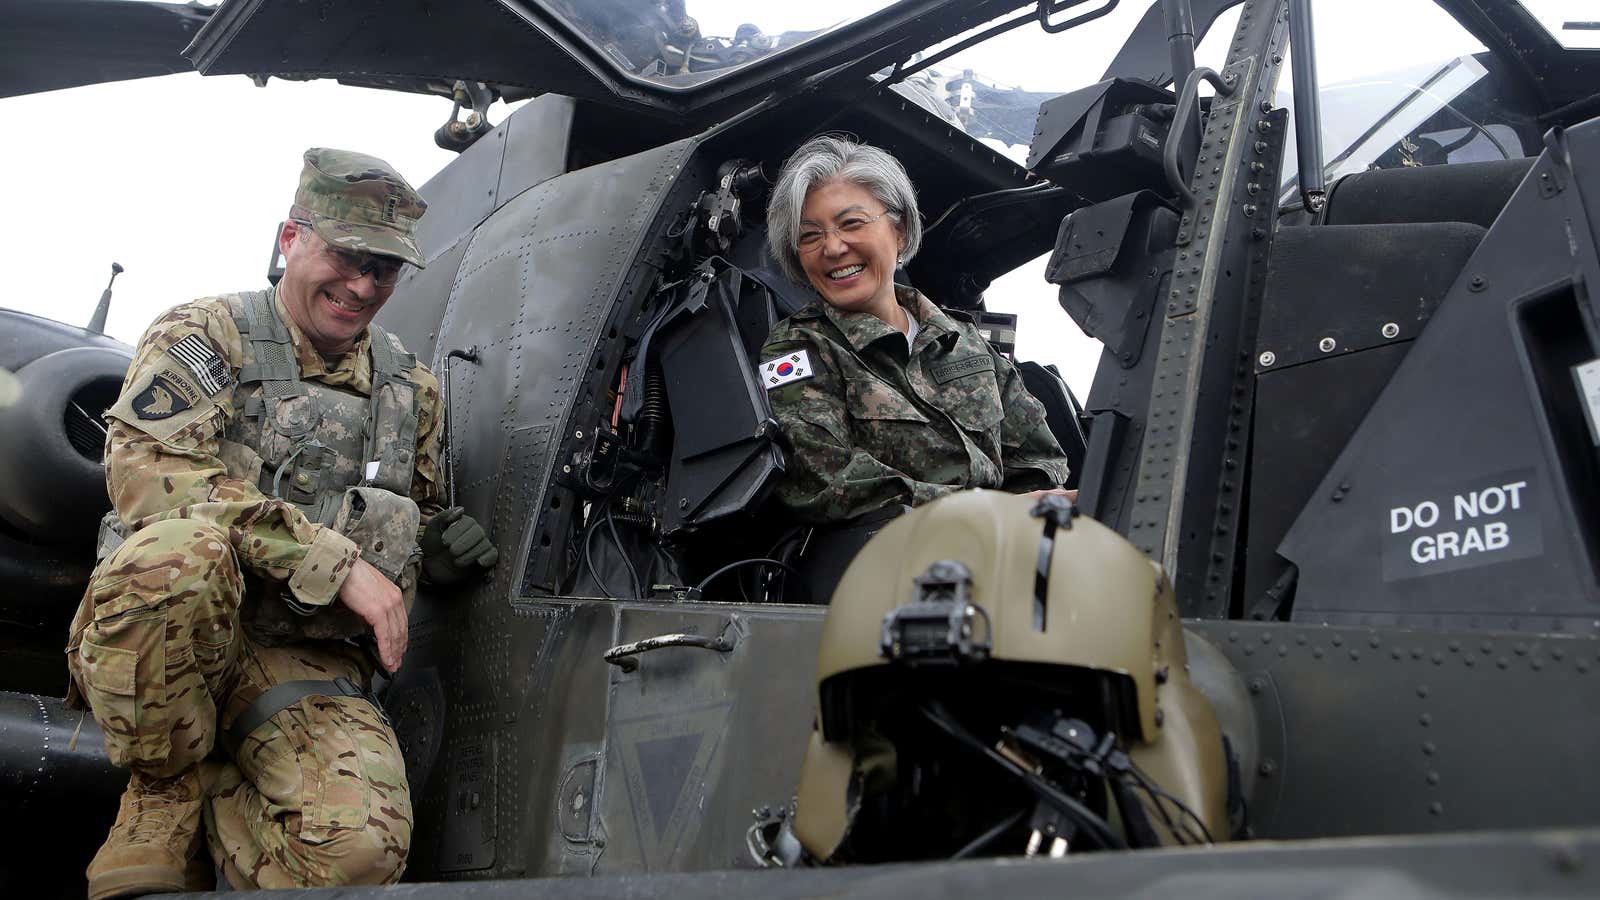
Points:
x=957 y=368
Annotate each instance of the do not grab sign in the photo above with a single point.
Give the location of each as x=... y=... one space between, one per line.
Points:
x=1490 y=521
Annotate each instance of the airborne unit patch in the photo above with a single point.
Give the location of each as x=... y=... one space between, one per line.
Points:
x=165 y=397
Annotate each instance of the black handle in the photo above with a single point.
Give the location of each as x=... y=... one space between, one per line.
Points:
x=1188 y=96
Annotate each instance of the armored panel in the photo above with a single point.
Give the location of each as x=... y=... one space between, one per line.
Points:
x=1341 y=308
x=1500 y=532
x=699 y=738
x=527 y=148
x=534 y=287
x=656 y=769
x=1388 y=731
x=527 y=305
x=480 y=752
x=535 y=139
x=413 y=312
x=554 y=718
x=1529 y=864
x=1336 y=289
x=462 y=194
x=1304 y=416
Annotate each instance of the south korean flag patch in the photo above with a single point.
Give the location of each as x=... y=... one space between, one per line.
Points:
x=787 y=369
x=208 y=367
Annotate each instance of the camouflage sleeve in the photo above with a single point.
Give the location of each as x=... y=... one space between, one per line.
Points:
x=828 y=478
x=1033 y=458
x=164 y=457
x=427 y=483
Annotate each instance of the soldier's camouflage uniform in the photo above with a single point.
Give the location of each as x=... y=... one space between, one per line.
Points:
x=221 y=591
x=877 y=424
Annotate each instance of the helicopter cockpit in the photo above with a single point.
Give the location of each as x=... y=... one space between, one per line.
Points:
x=677 y=461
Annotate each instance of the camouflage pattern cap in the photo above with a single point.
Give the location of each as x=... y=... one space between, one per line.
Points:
x=360 y=202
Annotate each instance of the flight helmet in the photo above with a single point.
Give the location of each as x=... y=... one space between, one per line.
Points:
x=1001 y=675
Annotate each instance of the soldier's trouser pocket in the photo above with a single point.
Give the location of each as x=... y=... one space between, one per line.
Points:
x=336 y=763
x=154 y=644
x=120 y=665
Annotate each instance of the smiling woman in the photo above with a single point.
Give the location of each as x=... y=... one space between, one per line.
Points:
x=886 y=399
x=847 y=219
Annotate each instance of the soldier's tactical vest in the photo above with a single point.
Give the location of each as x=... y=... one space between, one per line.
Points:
x=343 y=459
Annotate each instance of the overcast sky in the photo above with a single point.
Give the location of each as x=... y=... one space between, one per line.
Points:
x=182 y=179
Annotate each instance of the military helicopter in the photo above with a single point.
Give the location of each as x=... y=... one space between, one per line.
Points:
x=1349 y=400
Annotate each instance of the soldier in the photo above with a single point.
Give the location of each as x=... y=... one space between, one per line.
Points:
x=273 y=463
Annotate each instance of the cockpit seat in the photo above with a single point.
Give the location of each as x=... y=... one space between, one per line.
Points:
x=1344 y=298
x=1341 y=307
x=1061 y=410
x=1464 y=192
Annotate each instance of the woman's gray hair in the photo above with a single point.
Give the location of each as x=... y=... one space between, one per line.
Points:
x=832 y=158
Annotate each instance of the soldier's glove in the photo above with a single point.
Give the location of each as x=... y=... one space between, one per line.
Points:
x=454 y=546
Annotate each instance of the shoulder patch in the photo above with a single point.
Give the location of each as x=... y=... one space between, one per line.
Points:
x=207 y=365
x=787 y=369
x=163 y=402
x=164 y=398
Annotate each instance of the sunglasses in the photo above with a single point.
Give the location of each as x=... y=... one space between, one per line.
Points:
x=385 y=270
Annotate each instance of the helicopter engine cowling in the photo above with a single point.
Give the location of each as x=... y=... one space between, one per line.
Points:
x=51 y=437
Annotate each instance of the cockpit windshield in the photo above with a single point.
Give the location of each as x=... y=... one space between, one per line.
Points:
x=993 y=89
x=1423 y=92
x=1575 y=24
x=679 y=43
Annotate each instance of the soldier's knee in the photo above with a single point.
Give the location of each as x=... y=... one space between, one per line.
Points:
x=168 y=537
x=372 y=855
x=152 y=641
x=183 y=559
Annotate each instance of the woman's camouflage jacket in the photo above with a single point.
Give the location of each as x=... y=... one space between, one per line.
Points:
x=872 y=424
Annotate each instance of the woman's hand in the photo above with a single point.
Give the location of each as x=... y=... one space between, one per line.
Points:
x=1060 y=492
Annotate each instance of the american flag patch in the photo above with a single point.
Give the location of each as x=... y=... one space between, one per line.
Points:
x=208 y=367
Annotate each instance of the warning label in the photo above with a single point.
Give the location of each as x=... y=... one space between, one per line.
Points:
x=1490 y=521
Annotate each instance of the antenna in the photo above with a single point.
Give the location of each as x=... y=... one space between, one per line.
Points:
x=97 y=324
